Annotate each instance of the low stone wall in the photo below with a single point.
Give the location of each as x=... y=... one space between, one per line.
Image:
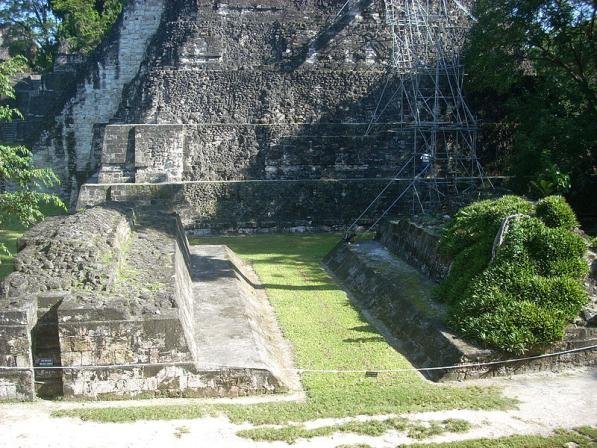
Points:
x=91 y=337
x=417 y=244
x=183 y=380
x=400 y=297
x=251 y=206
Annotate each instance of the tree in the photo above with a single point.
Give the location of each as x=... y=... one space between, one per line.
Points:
x=533 y=72
x=30 y=30
x=22 y=185
x=33 y=28
x=85 y=22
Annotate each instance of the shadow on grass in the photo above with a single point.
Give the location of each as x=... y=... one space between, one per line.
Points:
x=212 y=269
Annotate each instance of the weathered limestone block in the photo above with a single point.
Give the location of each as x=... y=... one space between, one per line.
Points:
x=117 y=142
x=159 y=155
x=96 y=337
x=16 y=321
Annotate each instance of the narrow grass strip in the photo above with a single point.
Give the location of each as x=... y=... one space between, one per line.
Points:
x=561 y=438
x=374 y=428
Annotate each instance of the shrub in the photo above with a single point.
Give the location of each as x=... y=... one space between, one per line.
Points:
x=480 y=220
x=558 y=252
x=554 y=211
x=523 y=298
x=470 y=262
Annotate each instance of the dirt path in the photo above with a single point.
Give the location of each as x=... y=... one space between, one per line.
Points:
x=547 y=402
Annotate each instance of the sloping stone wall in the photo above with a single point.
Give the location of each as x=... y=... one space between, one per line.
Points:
x=417 y=244
x=397 y=295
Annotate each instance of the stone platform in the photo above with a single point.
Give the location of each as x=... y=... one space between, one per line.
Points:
x=112 y=303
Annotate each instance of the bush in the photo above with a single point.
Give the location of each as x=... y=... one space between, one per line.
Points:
x=480 y=220
x=523 y=298
x=470 y=262
x=554 y=211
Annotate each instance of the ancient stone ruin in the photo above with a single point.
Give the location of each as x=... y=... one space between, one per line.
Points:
x=217 y=111
x=190 y=103
x=121 y=289
x=193 y=116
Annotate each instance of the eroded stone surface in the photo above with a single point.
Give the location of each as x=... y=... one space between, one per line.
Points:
x=233 y=91
x=64 y=253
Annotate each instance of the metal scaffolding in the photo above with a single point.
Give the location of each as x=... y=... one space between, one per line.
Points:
x=440 y=129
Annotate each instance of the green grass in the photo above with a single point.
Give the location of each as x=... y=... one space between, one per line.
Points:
x=327 y=333
x=8 y=236
x=582 y=437
x=374 y=428
x=358 y=445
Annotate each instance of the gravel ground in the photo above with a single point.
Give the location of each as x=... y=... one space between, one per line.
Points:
x=547 y=401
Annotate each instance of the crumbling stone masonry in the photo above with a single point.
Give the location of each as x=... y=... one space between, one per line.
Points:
x=112 y=296
x=242 y=98
x=62 y=108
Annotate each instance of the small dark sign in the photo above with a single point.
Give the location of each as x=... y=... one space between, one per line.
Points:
x=371 y=374
x=45 y=362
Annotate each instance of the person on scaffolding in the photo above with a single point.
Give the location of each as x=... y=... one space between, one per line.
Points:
x=424 y=164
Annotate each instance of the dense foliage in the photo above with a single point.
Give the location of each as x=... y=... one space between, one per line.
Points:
x=34 y=28
x=533 y=79
x=21 y=184
x=85 y=22
x=518 y=295
x=29 y=30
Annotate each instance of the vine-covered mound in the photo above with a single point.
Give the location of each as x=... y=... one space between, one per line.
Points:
x=517 y=275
